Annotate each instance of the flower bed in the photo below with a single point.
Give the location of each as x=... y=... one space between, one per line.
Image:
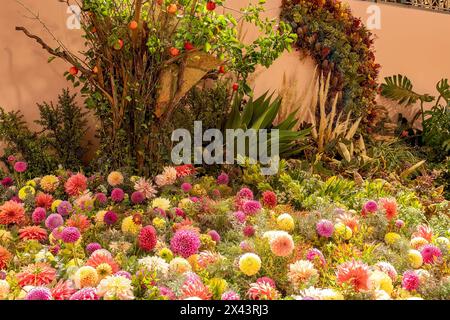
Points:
x=201 y=237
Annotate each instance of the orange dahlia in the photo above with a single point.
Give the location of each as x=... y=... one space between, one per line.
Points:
x=33 y=233
x=355 y=273
x=101 y=256
x=12 y=212
x=5 y=257
x=423 y=231
x=36 y=274
x=79 y=221
x=76 y=184
x=44 y=200
x=193 y=287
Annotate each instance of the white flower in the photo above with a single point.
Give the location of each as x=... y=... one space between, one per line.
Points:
x=155 y=264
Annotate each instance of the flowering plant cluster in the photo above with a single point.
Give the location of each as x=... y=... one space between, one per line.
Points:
x=181 y=235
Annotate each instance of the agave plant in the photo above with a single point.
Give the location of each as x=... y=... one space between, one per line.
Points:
x=260 y=114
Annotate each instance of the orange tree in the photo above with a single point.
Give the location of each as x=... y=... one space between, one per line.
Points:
x=142 y=57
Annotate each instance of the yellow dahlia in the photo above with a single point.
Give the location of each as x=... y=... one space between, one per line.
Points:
x=343 y=231
x=115 y=288
x=381 y=281
x=103 y=270
x=115 y=178
x=100 y=216
x=159 y=223
x=415 y=258
x=129 y=226
x=249 y=264
x=184 y=203
x=31 y=183
x=49 y=183
x=5 y=236
x=391 y=237
x=166 y=254
x=285 y=222
x=86 y=276
x=26 y=191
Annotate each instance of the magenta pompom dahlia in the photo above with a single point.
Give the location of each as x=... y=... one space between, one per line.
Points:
x=251 y=207
x=431 y=254
x=410 y=281
x=137 y=197
x=38 y=215
x=39 y=293
x=70 y=235
x=54 y=221
x=92 y=247
x=325 y=228
x=117 y=195
x=87 y=293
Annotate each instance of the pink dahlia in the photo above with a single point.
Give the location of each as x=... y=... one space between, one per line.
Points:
x=137 y=197
x=38 y=215
x=245 y=193
x=249 y=231
x=167 y=292
x=39 y=293
x=223 y=178
x=185 y=243
x=185 y=170
x=54 y=221
x=314 y=255
x=180 y=213
x=370 y=206
x=186 y=187
x=325 y=228
x=117 y=195
x=410 y=281
x=64 y=208
x=102 y=256
x=251 y=207
x=240 y=216
x=7 y=182
x=431 y=254
x=76 y=184
x=92 y=247
x=214 y=235
x=147 y=238
x=269 y=199
x=101 y=198
x=270 y=281
x=87 y=293
x=20 y=166
x=70 y=234
x=355 y=273
x=110 y=218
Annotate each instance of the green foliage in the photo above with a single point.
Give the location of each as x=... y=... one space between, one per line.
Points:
x=57 y=144
x=64 y=128
x=21 y=142
x=435 y=133
x=399 y=88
